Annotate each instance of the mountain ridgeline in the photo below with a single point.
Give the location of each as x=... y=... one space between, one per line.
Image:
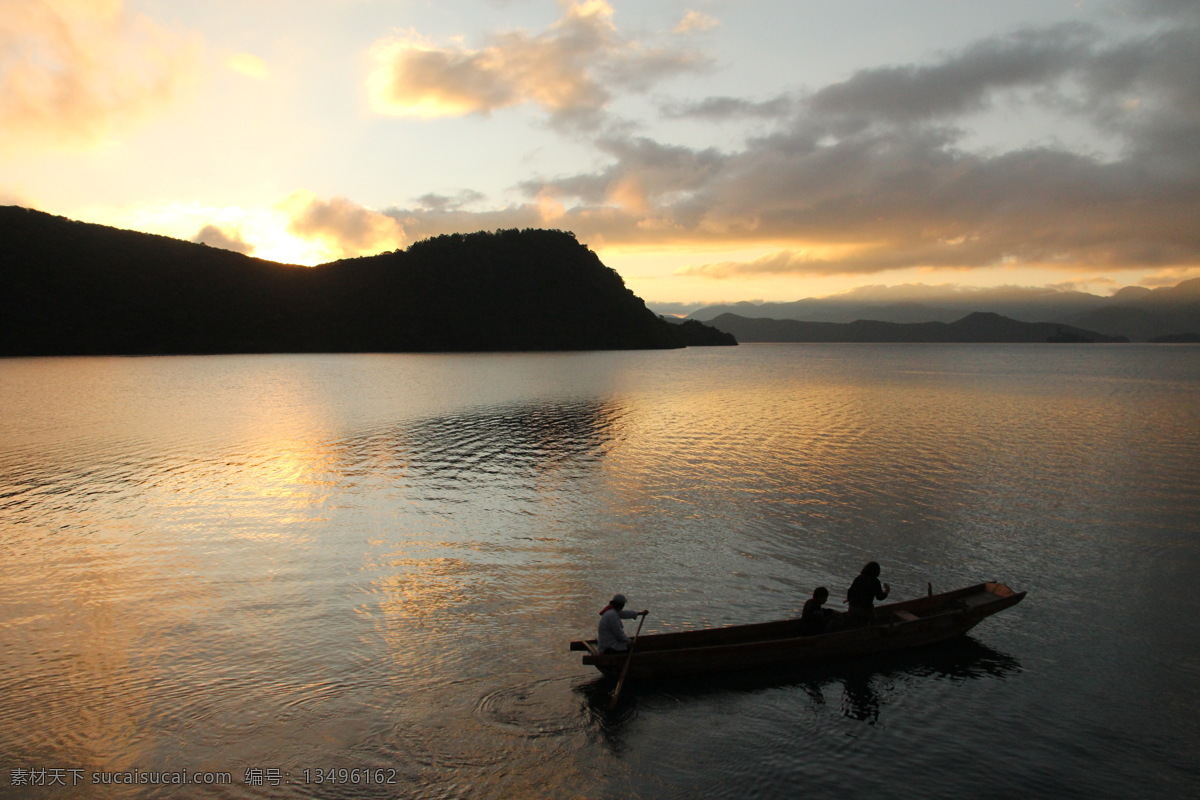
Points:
x=1166 y=314
x=977 y=328
x=73 y=288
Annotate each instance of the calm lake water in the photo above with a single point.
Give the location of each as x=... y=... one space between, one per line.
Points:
x=279 y=567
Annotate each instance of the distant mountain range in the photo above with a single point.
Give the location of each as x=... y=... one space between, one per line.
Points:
x=73 y=288
x=979 y=327
x=1135 y=313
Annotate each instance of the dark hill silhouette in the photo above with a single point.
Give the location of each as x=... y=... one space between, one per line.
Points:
x=980 y=327
x=697 y=334
x=73 y=288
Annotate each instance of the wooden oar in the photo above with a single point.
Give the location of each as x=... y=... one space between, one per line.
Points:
x=625 y=669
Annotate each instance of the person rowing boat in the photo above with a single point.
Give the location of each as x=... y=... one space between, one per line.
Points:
x=610 y=634
x=863 y=593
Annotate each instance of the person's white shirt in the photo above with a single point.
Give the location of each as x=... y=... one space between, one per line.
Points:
x=611 y=633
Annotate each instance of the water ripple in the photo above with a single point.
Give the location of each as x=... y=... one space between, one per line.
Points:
x=376 y=561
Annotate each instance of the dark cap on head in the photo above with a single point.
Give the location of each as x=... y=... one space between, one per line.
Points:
x=618 y=600
x=871 y=570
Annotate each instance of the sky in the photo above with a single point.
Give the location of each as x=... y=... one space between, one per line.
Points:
x=708 y=150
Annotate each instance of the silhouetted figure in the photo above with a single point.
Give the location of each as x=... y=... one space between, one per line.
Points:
x=863 y=593
x=816 y=618
x=610 y=635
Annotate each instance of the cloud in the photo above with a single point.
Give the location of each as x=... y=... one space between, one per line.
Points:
x=893 y=204
x=870 y=175
x=73 y=72
x=662 y=173
x=719 y=109
x=344 y=229
x=441 y=202
x=1170 y=9
x=569 y=70
x=214 y=236
x=1169 y=277
x=894 y=255
x=1148 y=92
x=873 y=174
x=694 y=21
x=965 y=83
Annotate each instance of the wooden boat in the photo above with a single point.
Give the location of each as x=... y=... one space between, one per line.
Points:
x=910 y=623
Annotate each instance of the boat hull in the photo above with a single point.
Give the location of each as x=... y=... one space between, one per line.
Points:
x=911 y=623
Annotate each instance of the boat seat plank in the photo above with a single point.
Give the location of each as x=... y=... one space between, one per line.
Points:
x=907 y=616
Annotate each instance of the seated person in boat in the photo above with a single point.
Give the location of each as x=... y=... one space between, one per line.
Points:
x=816 y=618
x=610 y=635
x=863 y=593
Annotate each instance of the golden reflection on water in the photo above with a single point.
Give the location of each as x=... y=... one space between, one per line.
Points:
x=84 y=669
x=125 y=544
x=420 y=589
x=476 y=487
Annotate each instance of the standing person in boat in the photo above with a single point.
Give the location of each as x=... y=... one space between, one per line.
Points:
x=863 y=593
x=816 y=618
x=610 y=635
